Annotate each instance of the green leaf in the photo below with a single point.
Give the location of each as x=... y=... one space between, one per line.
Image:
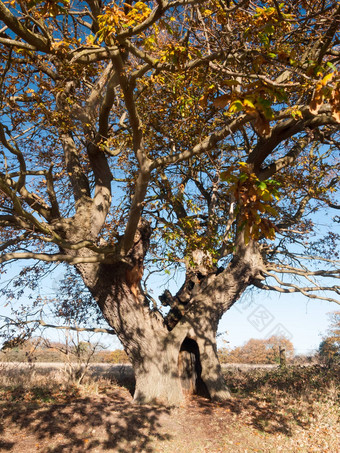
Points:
x=243 y=177
x=262 y=185
x=331 y=65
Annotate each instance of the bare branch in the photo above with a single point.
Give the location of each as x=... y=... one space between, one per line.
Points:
x=106 y=106
x=87 y=56
x=231 y=220
x=76 y=329
x=16 y=151
x=298 y=214
x=288 y=159
x=175 y=201
x=316 y=258
x=299 y=271
x=53 y=326
x=303 y=291
x=50 y=258
x=325 y=41
x=55 y=213
x=285 y=129
x=18 y=44
x=144 y=162
x=79 y=181
x=7 y=185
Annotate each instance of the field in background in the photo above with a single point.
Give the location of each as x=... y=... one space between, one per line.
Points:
x=271 y=410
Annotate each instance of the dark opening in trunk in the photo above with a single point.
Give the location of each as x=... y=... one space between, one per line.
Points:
x=190 y=369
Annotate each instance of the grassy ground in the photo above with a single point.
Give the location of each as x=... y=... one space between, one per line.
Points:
x=292 y=410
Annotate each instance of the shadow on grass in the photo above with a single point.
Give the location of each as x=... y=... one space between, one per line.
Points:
x=6 y=446
x=266 y=416
x=110 y=423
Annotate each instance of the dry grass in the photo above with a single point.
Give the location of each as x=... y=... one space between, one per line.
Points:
x=293 y=410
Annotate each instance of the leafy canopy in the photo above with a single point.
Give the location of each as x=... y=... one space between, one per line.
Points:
x=211 y=120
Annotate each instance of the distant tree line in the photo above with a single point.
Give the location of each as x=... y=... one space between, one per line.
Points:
x=40 y=350
x=329 y=349
x=259 y=351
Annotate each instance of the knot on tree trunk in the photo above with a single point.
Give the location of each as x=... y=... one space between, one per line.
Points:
x=141 y=243
x=180 y=302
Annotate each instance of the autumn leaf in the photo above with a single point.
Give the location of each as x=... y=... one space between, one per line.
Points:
x=262 y=126
x=249 y=106
x=203 y=101
x=335 y=104
x=319 y=94
x=317 y=99
x=236 y=106
x=222 y=101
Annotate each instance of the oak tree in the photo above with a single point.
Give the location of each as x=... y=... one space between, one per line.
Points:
x=145 y=136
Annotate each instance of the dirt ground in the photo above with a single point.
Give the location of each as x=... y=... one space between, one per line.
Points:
x=103 y=418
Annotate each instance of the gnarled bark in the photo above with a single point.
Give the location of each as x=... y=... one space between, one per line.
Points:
x=170 y=361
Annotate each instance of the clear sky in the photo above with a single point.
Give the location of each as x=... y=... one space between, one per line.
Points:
x=301 y=320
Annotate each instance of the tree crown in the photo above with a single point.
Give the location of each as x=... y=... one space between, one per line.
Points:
x=214 y=123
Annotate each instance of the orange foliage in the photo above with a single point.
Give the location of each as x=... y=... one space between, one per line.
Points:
x=258 y=351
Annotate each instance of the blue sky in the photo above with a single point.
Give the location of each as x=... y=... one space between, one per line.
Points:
x=303 y=320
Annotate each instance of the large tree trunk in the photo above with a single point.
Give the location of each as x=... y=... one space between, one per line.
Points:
x=169 y=362
x=178 y=363
x=156 y=373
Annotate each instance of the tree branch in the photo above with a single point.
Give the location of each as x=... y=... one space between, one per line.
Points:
x=298 y=215
x=297 y=271
x=27 y=35
x=53 y=326
x=326 y=40
x=14 y=241
x=285 y=129
x=79 y=181
x=206 y=145
x=50 y=258
x=16 y=151
x=14 y=43
x=8 y=186
x=303 y=291
x=286 y=160
x=76 y=329
x=144 y=162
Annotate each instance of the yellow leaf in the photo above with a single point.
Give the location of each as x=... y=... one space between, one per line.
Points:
x=327 y=78
x=248 y=103
x=236 y=106
x=296 y=113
